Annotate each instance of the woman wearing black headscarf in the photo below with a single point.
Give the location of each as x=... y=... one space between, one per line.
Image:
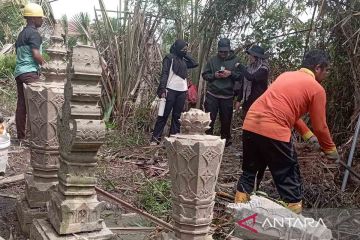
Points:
x=173 y=86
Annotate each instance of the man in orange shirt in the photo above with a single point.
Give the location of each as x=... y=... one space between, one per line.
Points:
x=268 y=124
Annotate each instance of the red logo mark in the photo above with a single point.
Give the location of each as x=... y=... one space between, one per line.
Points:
x=242 y=223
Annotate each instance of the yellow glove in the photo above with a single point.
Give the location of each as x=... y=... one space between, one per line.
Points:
x=332 y=154
x=311 y=140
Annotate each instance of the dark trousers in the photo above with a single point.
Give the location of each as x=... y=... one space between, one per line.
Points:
x=225 y=109
x=280 y=157
x=175 y=101
x=20 y=116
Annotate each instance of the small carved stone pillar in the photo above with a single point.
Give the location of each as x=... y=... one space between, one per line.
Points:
x=44 y=101
x=74 y=208
x=194 y=162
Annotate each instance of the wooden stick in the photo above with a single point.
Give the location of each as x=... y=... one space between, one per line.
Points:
x=139 y=211
x=225 y=195
x=132 y=228
x=8 y=195
x=349 y=169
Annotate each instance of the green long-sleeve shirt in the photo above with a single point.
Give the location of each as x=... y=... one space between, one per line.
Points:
x=221 y=86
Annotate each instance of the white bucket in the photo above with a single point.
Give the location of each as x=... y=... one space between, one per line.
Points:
x=162 y=103
x=4 y=145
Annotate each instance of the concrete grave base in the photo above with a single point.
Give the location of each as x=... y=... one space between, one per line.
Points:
x=38 y=193
x=42 y=230
x=26 y=215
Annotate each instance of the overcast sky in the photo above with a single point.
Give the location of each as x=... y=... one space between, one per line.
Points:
x=72 y=7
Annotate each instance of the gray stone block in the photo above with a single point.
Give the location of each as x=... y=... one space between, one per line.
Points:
x=42 y=230
x=26 y=215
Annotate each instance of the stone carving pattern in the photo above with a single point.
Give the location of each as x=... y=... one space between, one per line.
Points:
x=202 y=213
x=91 y=135
x=37 y=99
x=82 y=216
x=187 y=175
x=66 y=125
x=40 y=159
x=175 y=176
x=86 y=61
x=194 y=162
x=81 y=134
x=44 y=107
x=55 y=69
x=195 y=121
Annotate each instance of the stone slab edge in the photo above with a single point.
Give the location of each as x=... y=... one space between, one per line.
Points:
x=26 y=215
x=42 y=230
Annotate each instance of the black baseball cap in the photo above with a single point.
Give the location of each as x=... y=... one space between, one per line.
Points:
x=224 y=45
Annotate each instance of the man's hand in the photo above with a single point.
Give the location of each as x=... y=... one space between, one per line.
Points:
x=313 y=143
x=237 y=105
x=161 y=93
x=37 y=56
x=222 y=74
x=219 y=74
x=226 y=73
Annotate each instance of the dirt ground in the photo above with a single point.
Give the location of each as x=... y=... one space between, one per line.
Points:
x=19 y=158
x=123 y=172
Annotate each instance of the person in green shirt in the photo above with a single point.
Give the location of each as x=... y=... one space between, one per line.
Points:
x=221 y=73
x=28 y=61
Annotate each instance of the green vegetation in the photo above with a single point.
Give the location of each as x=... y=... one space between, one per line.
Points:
x=134 y=132
x=11 y=22
x=7 y=65
x=7 y=84
x=155 y=197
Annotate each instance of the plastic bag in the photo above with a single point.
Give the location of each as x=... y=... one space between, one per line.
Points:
x=192 y=93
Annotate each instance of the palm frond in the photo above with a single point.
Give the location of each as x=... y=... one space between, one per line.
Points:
x=80 y=23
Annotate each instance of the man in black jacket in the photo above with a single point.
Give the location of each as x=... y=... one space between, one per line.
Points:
x=220 y=73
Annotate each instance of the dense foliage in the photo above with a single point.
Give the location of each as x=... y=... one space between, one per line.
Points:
x=11 y=22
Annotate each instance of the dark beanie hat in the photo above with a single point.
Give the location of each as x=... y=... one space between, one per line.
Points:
x=224 y=44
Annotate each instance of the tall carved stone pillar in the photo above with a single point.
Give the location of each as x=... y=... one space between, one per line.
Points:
x=74 y=209
x=44 y=101
x=194 y=162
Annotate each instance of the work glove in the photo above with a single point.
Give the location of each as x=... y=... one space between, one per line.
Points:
x=313 y=143
x=332 y=155
x=311 y=140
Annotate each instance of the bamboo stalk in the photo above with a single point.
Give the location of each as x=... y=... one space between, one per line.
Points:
x=127 y=53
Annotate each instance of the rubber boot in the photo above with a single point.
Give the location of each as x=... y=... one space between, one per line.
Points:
x=241 y=197
x=295 y=207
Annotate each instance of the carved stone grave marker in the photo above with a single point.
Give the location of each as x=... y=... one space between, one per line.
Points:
x=194 y=162
x=44 y=102
x=74 y=209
